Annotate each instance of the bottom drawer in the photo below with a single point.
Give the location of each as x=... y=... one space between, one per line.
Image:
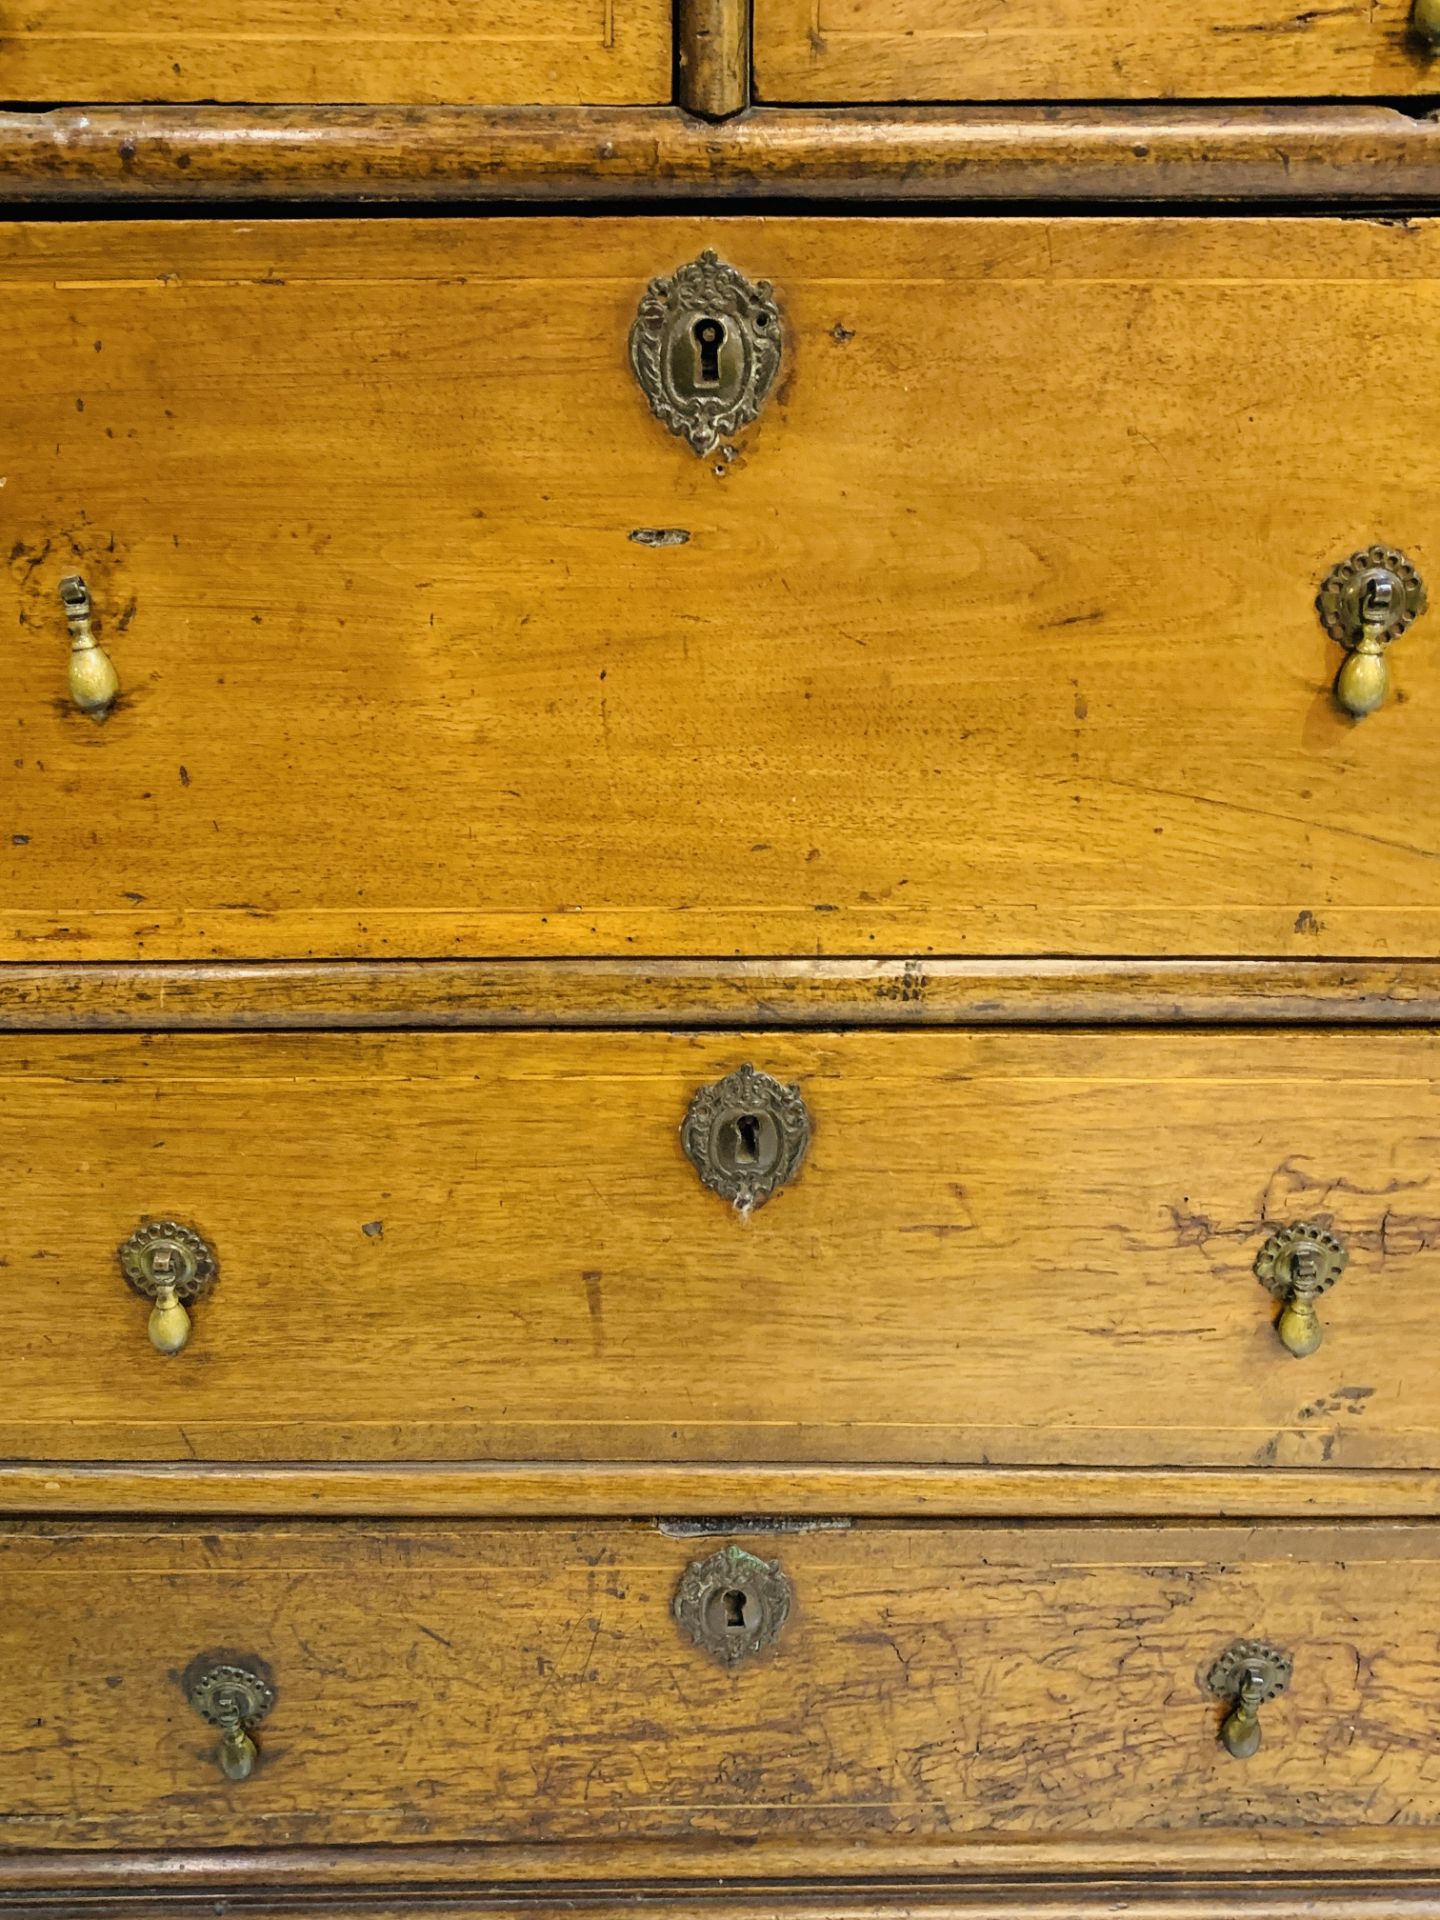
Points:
x=527 y=1682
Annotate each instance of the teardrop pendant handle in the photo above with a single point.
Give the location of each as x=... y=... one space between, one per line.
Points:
x=94 y=683
x=235 y=1699
x=1247 y=1674
x=169 y=1265
x=1365 y=603
x=1297 y=1264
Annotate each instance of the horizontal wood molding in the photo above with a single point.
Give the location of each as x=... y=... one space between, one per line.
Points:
x=1357 y=154
x=300 y=995
x=1214 y=1897
x=1369 y=1875
x=700 y=1492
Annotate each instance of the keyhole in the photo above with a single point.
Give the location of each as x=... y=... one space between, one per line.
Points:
x=709 y=337
x=747 y=1137
x=735 y=1602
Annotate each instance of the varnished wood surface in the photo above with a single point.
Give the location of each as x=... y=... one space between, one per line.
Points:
x=1339 y=154
x=1212 y=1898
x=569 y=1490
x=484 y=1683
x=838 y=50
x=1016 y=567
x=607 y=51
x=1007 y=1249
x=694 y=994
x=712 y=47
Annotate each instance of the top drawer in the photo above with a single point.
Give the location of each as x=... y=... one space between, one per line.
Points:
x=968 y=50
x=996 y=635
x=541 y=52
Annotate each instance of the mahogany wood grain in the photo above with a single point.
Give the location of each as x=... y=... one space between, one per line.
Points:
x=489 y=1683
x=695 y=994
x=1364 y=154
x=1004 y=1249
x=604 y=51
x=1016 y=567
x=864 y=50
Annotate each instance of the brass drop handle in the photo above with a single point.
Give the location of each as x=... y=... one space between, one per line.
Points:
x=94 y=682
x=1297 y=1264
x=1365 y=603
x=170 y=1265
x=235 y=1699
x=1425 y=22
x=1247 y=1674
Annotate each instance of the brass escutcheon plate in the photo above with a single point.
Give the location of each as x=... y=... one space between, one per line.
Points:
x=162 y=1253
x=746 y=1136
x=1276 y=1262
x=733 y=1604
x=706 y=347
x=1273 y=1669
x=227 y=1694
x=1345 y=600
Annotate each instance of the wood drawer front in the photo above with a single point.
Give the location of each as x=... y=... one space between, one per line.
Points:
x=484 y=1683
x=973 y=50
x=1003 y=1249
x=1019 y=567
x=584 y=52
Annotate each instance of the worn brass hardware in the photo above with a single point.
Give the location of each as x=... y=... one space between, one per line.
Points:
x=706 y=348
x=733 y=1603
x=169 y=1264
x=94 y=682
x=746 y=1135
x=1298 y=1263
x=1365 y=603
x=1248 y=1673
x=1425 y=22
x=234 y=1699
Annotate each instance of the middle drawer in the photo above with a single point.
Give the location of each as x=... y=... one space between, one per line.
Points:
x=1003 y=1248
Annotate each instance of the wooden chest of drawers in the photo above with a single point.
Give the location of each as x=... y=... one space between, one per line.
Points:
x=718 y=1016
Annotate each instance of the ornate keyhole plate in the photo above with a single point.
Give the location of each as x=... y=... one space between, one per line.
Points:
x=706 y=347
x=746 y=1136
x=732 y=1604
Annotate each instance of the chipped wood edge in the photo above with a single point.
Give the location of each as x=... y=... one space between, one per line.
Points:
x=1333 y=155
x=540 y=1490
x=712 y=994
